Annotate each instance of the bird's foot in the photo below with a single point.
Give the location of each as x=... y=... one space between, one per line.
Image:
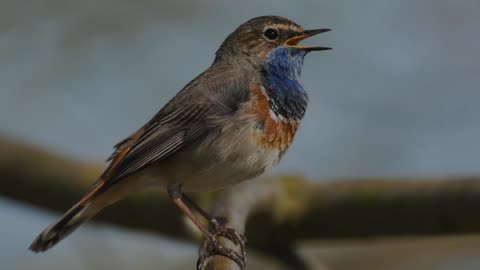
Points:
x=211 y=247
x=219 y=229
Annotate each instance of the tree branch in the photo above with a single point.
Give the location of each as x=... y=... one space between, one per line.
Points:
x=280 y=211
x=235 y=205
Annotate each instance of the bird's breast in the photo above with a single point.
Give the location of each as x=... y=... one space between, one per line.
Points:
x=271 y=129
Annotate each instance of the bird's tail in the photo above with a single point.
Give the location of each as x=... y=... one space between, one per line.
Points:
x=67 y=223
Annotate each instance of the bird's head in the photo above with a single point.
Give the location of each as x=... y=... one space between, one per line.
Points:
x=256 y=39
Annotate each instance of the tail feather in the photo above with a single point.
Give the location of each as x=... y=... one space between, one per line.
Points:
x=81 y=212
x=73 y=218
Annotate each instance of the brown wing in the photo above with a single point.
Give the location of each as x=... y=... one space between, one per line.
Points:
x=189 y=115
x=152 y=143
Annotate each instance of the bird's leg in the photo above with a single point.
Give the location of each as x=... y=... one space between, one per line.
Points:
x=197 y=208
x=214 y=247
x=218 y=225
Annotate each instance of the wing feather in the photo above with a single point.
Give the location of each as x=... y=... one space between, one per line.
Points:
x=191 y=113
x=149 y=153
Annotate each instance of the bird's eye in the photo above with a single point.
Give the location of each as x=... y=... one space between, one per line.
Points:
x=270 y=34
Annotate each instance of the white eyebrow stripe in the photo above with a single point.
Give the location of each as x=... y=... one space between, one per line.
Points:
x=285 y=27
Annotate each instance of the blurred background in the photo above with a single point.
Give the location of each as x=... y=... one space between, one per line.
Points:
x=398 y=97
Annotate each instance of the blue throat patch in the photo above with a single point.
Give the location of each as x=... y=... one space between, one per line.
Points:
x=280 y=79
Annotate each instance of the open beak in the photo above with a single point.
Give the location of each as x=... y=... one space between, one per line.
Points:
x=293 y=42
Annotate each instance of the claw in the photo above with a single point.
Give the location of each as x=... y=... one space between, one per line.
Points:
x=235 y=237
x=228 y=232
x=238 y=239
x=212 y=247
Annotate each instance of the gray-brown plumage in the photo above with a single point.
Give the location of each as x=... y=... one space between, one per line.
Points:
x=229 y=124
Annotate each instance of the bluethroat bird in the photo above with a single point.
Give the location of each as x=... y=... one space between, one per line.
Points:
x=231 y=123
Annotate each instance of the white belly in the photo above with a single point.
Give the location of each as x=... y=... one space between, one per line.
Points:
x=219 y=161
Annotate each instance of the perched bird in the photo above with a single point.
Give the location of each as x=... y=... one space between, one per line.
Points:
x=231 y=123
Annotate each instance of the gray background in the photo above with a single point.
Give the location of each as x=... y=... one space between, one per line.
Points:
x=398 y=95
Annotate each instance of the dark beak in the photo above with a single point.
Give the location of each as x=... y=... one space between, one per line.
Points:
x=293 y=42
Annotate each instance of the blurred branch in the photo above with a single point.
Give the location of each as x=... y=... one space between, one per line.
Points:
x=51 y=181
x=289 y=209
x=235 y=205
